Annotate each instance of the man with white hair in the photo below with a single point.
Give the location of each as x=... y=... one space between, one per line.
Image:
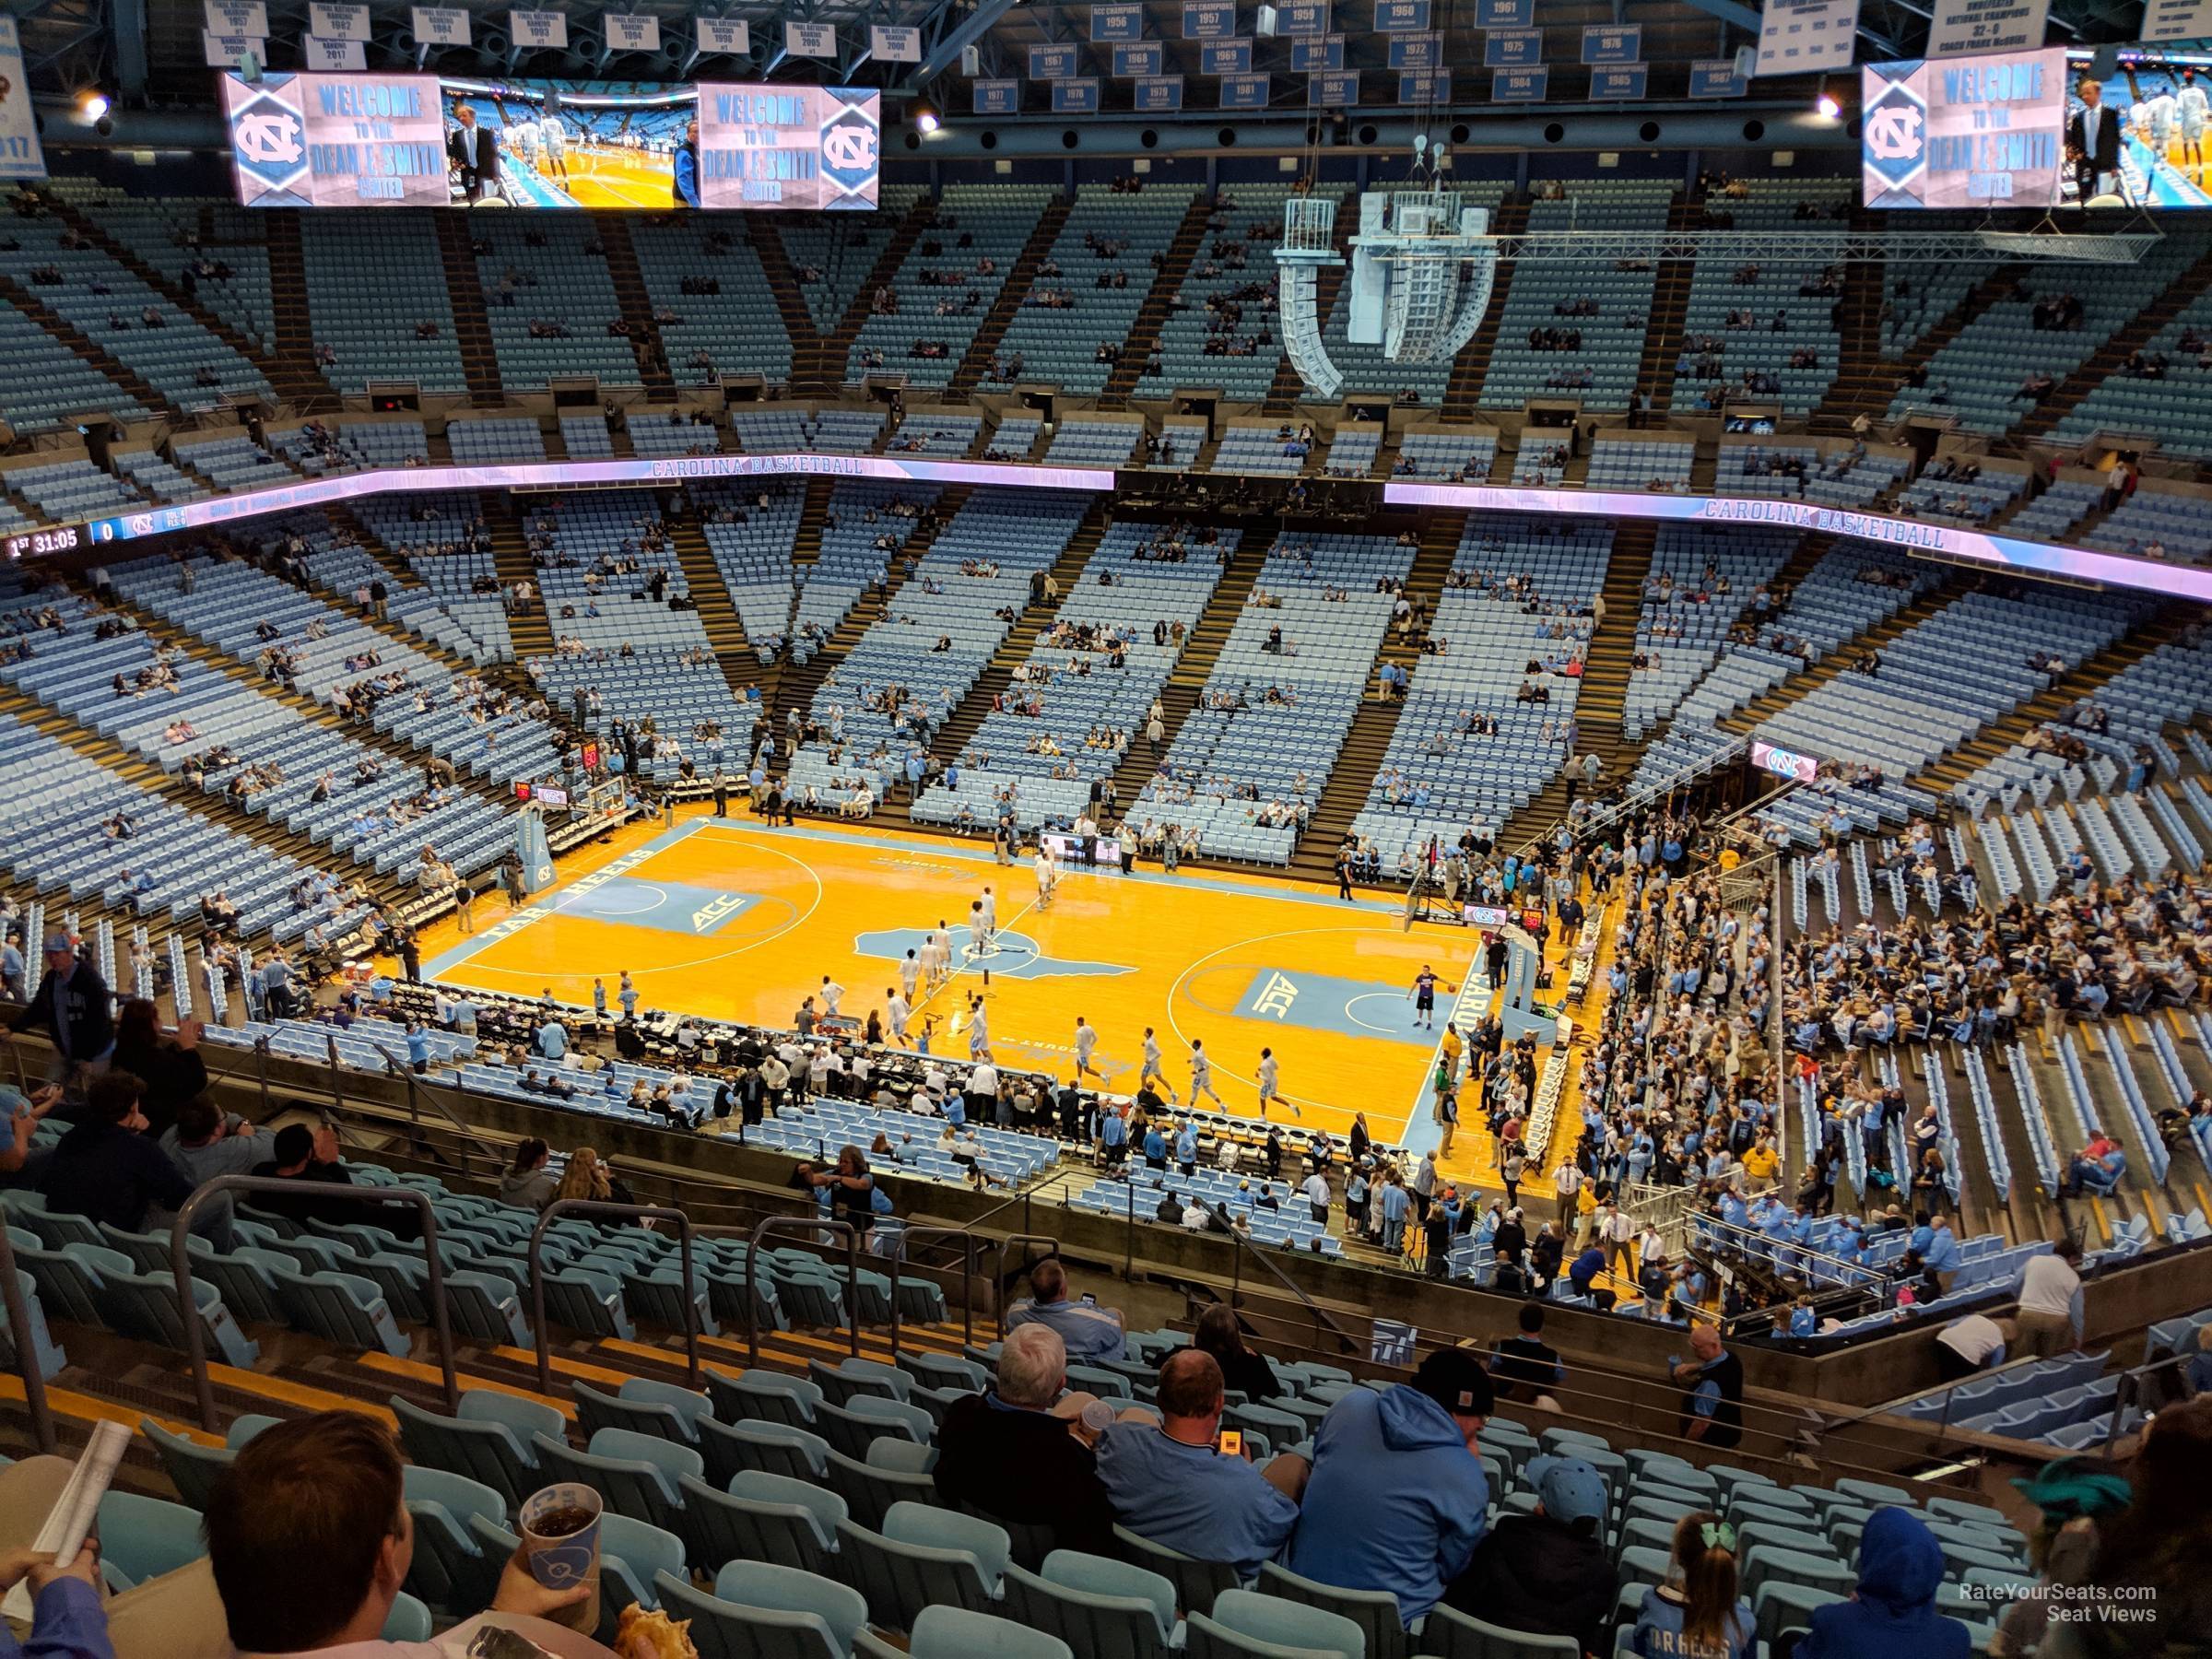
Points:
x=1005 y=1454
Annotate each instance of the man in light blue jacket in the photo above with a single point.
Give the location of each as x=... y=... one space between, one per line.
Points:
x=1397 y=1499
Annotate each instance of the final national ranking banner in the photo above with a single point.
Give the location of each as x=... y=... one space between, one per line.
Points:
x=789 y=147
x=1966 y=131
x=336 y=140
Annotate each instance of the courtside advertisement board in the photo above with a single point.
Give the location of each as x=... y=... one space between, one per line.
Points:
x=1970 y=132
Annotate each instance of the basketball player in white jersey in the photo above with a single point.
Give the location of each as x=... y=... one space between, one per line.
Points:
x=1086 y=1043
x=979 y=1030
x=1202 y=1075
x=1152 y=1071
x=936 y=953
x=553 y=137
x=2192 y=107
x=897 y=1011
x=523 y=138
x=832 y=993
x=2162 y=112
x=988 y=904
x=910 y=975
x=1270 y=1081
x=1048 y=878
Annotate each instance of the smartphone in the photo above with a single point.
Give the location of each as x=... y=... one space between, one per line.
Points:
x=1231 y=1442
x=1089 y=1300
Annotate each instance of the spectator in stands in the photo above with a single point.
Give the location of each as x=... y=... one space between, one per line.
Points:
x=71 y=1006
x=1242 y=1368
x=1712 y=1405
x=1697 y=1613
x=170 y=1068
x=311 y=1158
x=67 y=1620
x=206 y=1142
x=310 y=1539
x=2049 y=1316
x=1524 y=1367
x=1893 y=1611
x=1085 y=1330
x=1169 y=1485
x=1549 y=1573
x=527 y=1182
x=106 y=1168
x=1973 y=1343
x=1398 y=1500
x=1004 y=1453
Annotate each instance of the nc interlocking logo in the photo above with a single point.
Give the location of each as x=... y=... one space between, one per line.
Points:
x=265 y=142
x=1896 y=134
x=851 y=150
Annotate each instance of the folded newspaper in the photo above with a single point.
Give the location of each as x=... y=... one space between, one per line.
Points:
x=75 y=1512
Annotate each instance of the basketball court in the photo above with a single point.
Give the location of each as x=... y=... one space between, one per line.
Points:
x=735 y=920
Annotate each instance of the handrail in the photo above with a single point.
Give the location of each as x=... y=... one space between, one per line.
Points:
x=635 y=1212
x=1715 y=1227
x=418 y=1083
x=188 y=1307
x=967 y=1234
x=1243 y=1246
x=752 y=1265
x=27 y=1362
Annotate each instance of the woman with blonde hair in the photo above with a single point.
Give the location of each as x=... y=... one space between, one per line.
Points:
x=585 y=1178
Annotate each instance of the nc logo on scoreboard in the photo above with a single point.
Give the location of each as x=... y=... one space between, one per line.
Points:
x=268 y=141
x=1896 y=134
x=851 y=151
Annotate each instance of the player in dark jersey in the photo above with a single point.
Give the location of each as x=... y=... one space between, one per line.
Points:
x=1424 y=998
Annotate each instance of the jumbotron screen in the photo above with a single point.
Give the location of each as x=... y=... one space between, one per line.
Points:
x=420 y=141
x=2036 y=129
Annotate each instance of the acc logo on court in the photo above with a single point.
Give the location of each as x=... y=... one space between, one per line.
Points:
x=1896 y=143
x=1276 y=997
x=265 y=141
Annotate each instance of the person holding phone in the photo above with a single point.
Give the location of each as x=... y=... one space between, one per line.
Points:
x=1187 y=1484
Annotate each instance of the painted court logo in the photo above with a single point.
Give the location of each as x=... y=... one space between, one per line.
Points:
x=1276 y=997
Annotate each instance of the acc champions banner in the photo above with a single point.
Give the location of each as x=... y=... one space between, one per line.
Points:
x=1965 y=132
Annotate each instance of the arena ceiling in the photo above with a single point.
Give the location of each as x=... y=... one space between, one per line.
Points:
x=150 y=51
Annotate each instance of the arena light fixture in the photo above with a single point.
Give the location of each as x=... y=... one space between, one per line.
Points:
x=93 y=104
x=1827 y=105
x=925 y=118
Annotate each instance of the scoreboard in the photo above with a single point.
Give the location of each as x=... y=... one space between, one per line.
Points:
x=399 y=141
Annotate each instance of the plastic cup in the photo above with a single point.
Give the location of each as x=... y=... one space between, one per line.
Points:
x=569 y=1557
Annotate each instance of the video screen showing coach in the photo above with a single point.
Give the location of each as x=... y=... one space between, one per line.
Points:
x=472 y=152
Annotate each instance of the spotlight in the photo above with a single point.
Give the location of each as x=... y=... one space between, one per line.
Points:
x=1825 y=105
x=925 y=119
x=92 y=105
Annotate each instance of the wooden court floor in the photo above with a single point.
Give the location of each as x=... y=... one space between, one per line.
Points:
x=735 y=920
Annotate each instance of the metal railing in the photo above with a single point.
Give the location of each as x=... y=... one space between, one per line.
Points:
x=27 y=1359
x=907 y=1235
x=188 y=1307
x=800 y=1224
x=630 y=1212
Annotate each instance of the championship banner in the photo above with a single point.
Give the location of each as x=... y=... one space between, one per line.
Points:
x=730 y=35
x=1795 y=36
x=236 y=17
x=539 y=30
x=331 y=22
x=891 y=45
x=629 y=32
x=1960 y=26
x=21 y=157
x=320 y=56
x=440 y=26
x=2177 y=20
x=810 y=40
